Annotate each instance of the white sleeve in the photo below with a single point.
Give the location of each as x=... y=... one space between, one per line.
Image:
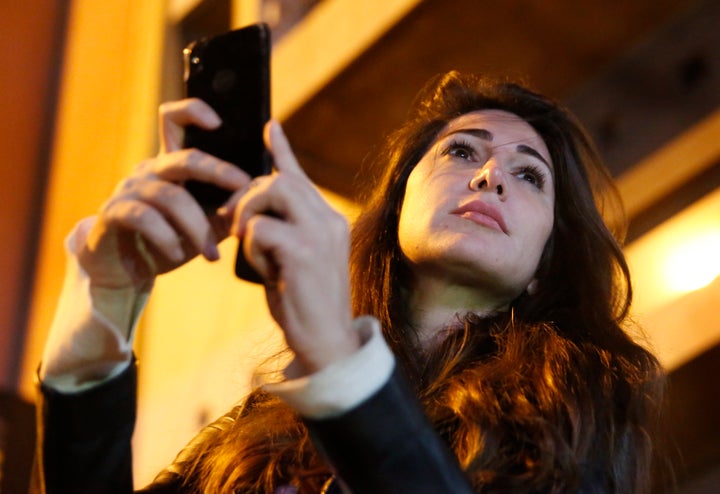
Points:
x=90 y=339
x=342 y=385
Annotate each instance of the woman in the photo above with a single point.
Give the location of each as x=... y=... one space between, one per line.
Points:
x=483 y=258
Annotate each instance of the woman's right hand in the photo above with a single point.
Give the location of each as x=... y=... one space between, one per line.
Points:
x=151 y=224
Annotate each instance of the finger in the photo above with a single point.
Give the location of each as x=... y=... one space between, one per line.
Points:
x=192 y=164
x=172 y=202
x=252 y=200
x=134 y=215
x=184 y=213
x=279 y=146
x=227 y=210
x=221 y=225
x=264 y=238
x=285 y=196
x=290 y=197
x=176 y=115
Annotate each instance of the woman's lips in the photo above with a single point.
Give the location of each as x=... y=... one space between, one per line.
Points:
x=483 y=214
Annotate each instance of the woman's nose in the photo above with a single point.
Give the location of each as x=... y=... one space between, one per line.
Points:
x=490 y=177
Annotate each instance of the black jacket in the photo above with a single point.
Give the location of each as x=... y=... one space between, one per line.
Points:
x=385 y=445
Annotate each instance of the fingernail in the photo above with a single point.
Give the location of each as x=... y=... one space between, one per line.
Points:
x=214 y=120
x=210 y=251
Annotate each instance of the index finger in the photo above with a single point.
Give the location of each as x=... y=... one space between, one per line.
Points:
x=193 y=164
x=279 y=146
x=176 y=115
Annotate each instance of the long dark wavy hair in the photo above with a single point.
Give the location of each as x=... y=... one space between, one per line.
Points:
x=552 y=396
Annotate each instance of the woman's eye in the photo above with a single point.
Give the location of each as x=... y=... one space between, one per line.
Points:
x=459 y=150
x=460 y=153
x=531 y=175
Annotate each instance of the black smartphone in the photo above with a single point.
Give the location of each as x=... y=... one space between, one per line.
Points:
x=231 y=72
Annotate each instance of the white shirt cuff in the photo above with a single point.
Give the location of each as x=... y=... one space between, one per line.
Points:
x=344 y=385
x=90 y=339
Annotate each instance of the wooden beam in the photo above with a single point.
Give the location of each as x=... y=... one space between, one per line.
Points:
x=332 y=35
x=658 y=89
x=675 y=164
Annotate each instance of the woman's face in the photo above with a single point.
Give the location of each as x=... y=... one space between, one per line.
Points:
x=478 y=208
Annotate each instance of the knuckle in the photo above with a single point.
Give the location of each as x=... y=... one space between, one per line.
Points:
x=132 y=214
x=136 y=213
x=144 y=166
x=126 y=185
x=193 y=157
x=109 y=206
x=160 y=192
x=194 y=104
x=338 y=223
x=165 y=108
x=188 y=154
x=168 y=193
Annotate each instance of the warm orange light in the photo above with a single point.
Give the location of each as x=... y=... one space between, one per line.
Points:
x=677 y=257
x=694 y=263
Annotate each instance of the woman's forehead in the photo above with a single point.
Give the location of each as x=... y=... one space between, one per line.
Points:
x=498 y=127
x=498 y=120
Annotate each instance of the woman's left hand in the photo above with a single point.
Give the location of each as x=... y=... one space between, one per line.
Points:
x=301 y=251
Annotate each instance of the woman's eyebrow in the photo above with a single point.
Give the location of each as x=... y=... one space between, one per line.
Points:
x=483 y=134
x=524 y=149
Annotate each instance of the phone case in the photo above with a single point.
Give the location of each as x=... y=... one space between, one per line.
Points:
x=231 y=72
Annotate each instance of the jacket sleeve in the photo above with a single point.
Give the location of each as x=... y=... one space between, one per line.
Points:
x=84 y=438
x=387 y=445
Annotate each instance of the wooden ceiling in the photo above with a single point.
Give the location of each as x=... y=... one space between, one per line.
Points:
x=559 y=47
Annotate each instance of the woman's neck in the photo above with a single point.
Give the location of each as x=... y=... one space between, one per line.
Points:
x=437 y=305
